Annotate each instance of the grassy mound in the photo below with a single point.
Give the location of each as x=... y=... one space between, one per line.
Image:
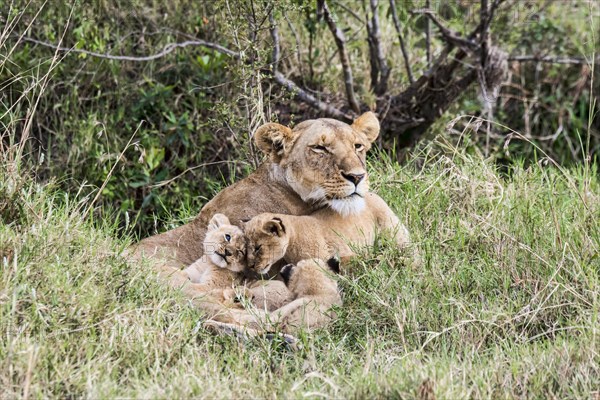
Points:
x=504 y=303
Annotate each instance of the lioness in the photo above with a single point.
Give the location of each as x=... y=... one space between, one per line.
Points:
x=320 y=163
x=324 y=234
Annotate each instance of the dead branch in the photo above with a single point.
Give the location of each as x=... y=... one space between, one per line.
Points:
x=411 y=79
x=380 y=71
x=309 y=99
x=340 y=42
x=276 y=46
x=301 y=94
x=449 y=36
x=554 y=59
x=350 y=11
x=165 y=51
x=428 y=36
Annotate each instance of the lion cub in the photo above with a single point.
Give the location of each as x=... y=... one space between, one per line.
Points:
x=224 y=257
x=314 y=293
x=323 y=234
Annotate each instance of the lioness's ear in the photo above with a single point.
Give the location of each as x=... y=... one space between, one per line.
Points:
x=275 y=227
x=273 y=139
x=218 y=220
x=368 y=125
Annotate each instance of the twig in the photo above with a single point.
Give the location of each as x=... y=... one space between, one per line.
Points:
x=276 y=46
x=298 y=46
x=350 y=11
x=380 y=71
x=483 y=34
x=554 y=59
x=411 y=79
x=99 y=193
x=166 y=50
x=310 y=99
x=168 y=181
x=428 y=36
x=450 y=36
x=340 y=42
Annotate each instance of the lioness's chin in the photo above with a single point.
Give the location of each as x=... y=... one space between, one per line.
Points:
x=348 y=206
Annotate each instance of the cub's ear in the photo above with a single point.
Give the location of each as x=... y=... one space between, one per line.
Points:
x=275 y=227
x=274 y=140
x=218 y=220
x=368 y=125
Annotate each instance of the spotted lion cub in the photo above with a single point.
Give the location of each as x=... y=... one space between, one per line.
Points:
x=224 y=256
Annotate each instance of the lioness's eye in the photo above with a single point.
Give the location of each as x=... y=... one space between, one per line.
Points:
x=359 y=147
x=228 y=237
x=319 y=149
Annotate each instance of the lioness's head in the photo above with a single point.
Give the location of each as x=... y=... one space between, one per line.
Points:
x=267 y=240
x=225 y=244
x=311 y=277
x=323 y=160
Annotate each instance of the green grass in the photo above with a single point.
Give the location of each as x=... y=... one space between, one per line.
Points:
x=504 y=303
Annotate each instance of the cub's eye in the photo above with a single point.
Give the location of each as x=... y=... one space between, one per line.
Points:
x=359 y=147
x=228 y=237
x=319 y=149
x=257 y=249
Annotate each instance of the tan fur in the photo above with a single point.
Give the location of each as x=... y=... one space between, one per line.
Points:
x=323 y=235
x=314 y=293
x=266 y=295
x=224 y=257
x=308 y=169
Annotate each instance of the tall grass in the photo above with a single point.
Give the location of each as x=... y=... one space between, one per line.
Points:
x=504 y=303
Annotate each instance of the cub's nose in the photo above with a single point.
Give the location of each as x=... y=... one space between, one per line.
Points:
x=354 y=178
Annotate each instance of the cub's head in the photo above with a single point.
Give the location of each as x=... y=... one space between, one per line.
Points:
x=311 y=277
x=225 y=244
x=323 y=160
x=267 y=241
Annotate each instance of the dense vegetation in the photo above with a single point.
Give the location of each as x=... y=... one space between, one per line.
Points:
x=187 y=115
x=505 y=304
x=97 y=152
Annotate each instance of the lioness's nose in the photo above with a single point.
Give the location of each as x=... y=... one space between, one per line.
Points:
x=354 y=178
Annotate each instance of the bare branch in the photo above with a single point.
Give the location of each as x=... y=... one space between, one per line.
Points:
x=483 y=34
x=165 y=51
x=276 y=45
x=309 y=98
x=450 y=36
x=554 y=59
x=298 y=45
x=350 y=11
x=380 y=72
x=401 y=39
x=428 y=36
x=301 y=94
x=340 y=42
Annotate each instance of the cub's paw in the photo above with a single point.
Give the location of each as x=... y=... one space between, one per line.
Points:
x=238 y=295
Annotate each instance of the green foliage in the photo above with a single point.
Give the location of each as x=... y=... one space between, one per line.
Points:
x=190 y=113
